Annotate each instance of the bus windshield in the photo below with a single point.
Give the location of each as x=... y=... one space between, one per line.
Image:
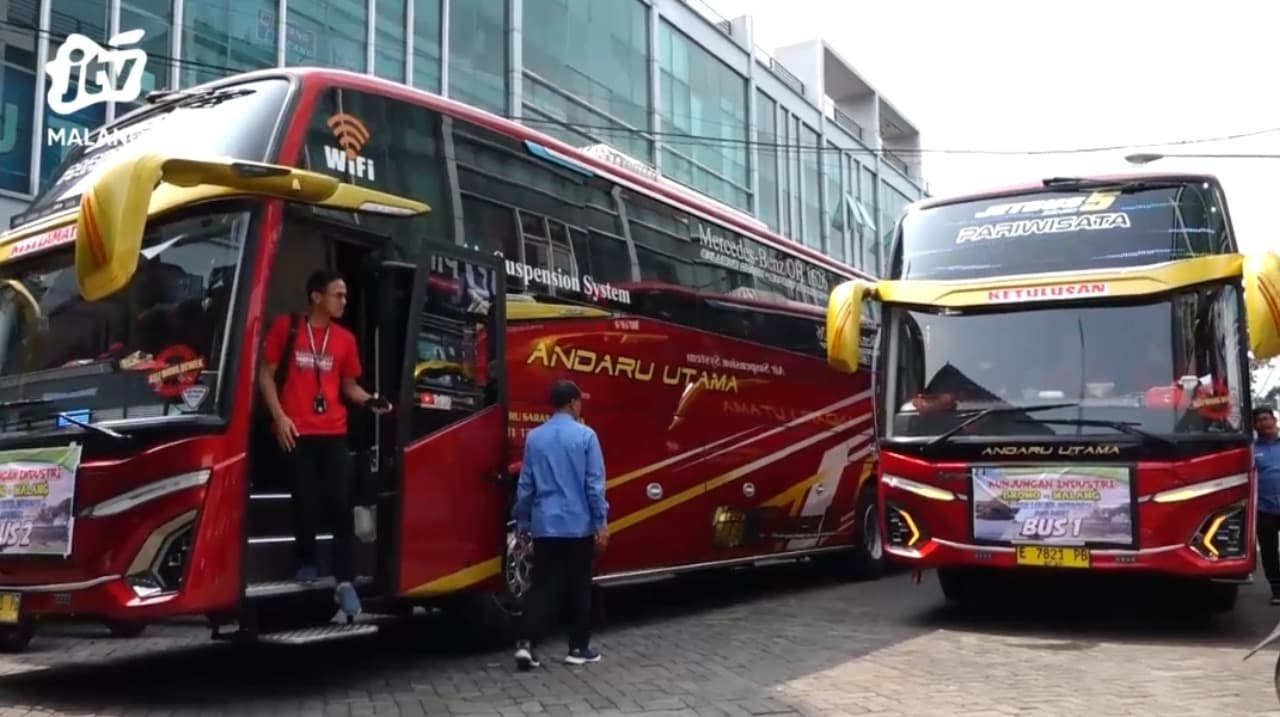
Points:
x=154 y=348
x=1063 y=230
x=1172 y=366
x=236 y=121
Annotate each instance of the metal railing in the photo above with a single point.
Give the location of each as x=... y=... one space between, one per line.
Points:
x=847 y=122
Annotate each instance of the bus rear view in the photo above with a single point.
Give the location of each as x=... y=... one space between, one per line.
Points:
x=1064 y=383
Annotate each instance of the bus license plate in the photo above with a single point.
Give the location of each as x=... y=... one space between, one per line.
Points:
x=10 y=605
x=1047 y=556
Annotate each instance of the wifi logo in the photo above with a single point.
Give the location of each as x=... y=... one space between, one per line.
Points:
x=350 y=133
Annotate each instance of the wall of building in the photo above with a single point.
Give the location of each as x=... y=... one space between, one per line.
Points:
x=666 y=83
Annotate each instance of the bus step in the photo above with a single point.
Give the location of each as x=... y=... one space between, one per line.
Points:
x=324 y=633
x=288 y=587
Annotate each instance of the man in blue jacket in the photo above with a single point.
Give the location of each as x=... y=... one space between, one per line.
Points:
x=1266 y=458
x=560 y=502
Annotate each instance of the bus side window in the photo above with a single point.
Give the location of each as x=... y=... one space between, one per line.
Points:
x=453 y=373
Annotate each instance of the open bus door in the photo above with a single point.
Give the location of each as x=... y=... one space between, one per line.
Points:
x=454 y=500
x=278 y=607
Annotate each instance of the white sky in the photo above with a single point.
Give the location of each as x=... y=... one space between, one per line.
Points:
x=1008 y=75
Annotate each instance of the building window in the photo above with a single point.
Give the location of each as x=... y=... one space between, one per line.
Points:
x=478 y=53
x=810 y=147
x=155 y=18
x=223 y=37
x=388 y=45
x=832 y=204
x=704 y=116
x=88 y=18
x=767 y=160
x=586 y=64
x=17 y=92
x=426 y=45
x=331 y=33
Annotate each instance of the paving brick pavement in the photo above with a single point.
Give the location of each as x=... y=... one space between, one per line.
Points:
x=793 y=646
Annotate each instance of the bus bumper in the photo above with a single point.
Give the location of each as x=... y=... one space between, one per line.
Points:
x=1209 y=536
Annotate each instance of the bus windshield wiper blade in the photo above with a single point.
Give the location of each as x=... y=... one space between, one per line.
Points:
x=1122 y=186
x=92 y=427
x=1122 y=426
x=992 y=411
x=25 y=402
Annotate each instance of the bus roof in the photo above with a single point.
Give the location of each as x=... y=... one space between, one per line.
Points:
x=512 y=128
x=1028 y=187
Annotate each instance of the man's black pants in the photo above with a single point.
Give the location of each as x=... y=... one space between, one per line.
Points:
x=320 y=472
x=1269 y=548
x=561 y=580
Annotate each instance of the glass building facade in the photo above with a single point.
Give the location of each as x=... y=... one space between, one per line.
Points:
x=677 y=90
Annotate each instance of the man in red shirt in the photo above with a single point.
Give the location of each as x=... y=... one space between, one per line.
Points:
x=310 y=422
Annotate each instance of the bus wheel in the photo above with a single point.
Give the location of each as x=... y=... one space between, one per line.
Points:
x=15 y=638
x=959 y=585
x=493 y=618
x=865 y=558
x=1221 y=597
x=125 y=628
x=517 y=570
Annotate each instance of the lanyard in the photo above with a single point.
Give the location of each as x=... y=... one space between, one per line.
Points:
x=315 y=355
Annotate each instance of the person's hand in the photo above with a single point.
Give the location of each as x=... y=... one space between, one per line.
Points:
x=602 y=540
x=378 y=405
x=286 y=432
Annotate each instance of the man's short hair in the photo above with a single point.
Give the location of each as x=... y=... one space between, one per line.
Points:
x=1263 y=411
x=563 y=392
x=319 y=281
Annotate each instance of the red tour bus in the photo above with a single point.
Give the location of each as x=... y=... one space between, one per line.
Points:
x=1065 y=383
x=483 y=261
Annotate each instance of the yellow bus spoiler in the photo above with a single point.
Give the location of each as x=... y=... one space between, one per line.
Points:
x=114 y=210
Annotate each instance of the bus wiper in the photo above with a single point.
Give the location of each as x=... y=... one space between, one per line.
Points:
x=992 y=411
x=25 y=402
x=1124 y=187
x=1122 y=426
x=212 y=96
x=92 y=427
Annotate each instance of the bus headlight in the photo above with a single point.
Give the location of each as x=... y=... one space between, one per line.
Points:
x=1221 y=535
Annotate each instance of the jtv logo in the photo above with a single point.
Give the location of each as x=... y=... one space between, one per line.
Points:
x=345 y=158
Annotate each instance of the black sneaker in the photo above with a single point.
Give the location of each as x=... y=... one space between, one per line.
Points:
x=582 y=656
x=525 y=658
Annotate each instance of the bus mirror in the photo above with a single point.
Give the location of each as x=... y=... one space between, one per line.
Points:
x=109 y=226
x=1262 y=303
x=844 y=324
x=113 y=211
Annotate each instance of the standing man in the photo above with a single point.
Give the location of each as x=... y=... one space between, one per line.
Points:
x=560 y=502
x=321 y=366
x=1266 y=456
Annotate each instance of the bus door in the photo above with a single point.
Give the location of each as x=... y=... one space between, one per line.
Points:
x=377 y=299
x=454 y=423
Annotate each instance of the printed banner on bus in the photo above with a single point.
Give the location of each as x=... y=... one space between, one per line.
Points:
x=1052 y=505
x=37 y=486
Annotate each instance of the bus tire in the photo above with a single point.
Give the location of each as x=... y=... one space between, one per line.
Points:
x=125 y=629
x=495 y=616
x=15 y=638
x=1221 y=597
x=865 y=559
x=959 y=585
